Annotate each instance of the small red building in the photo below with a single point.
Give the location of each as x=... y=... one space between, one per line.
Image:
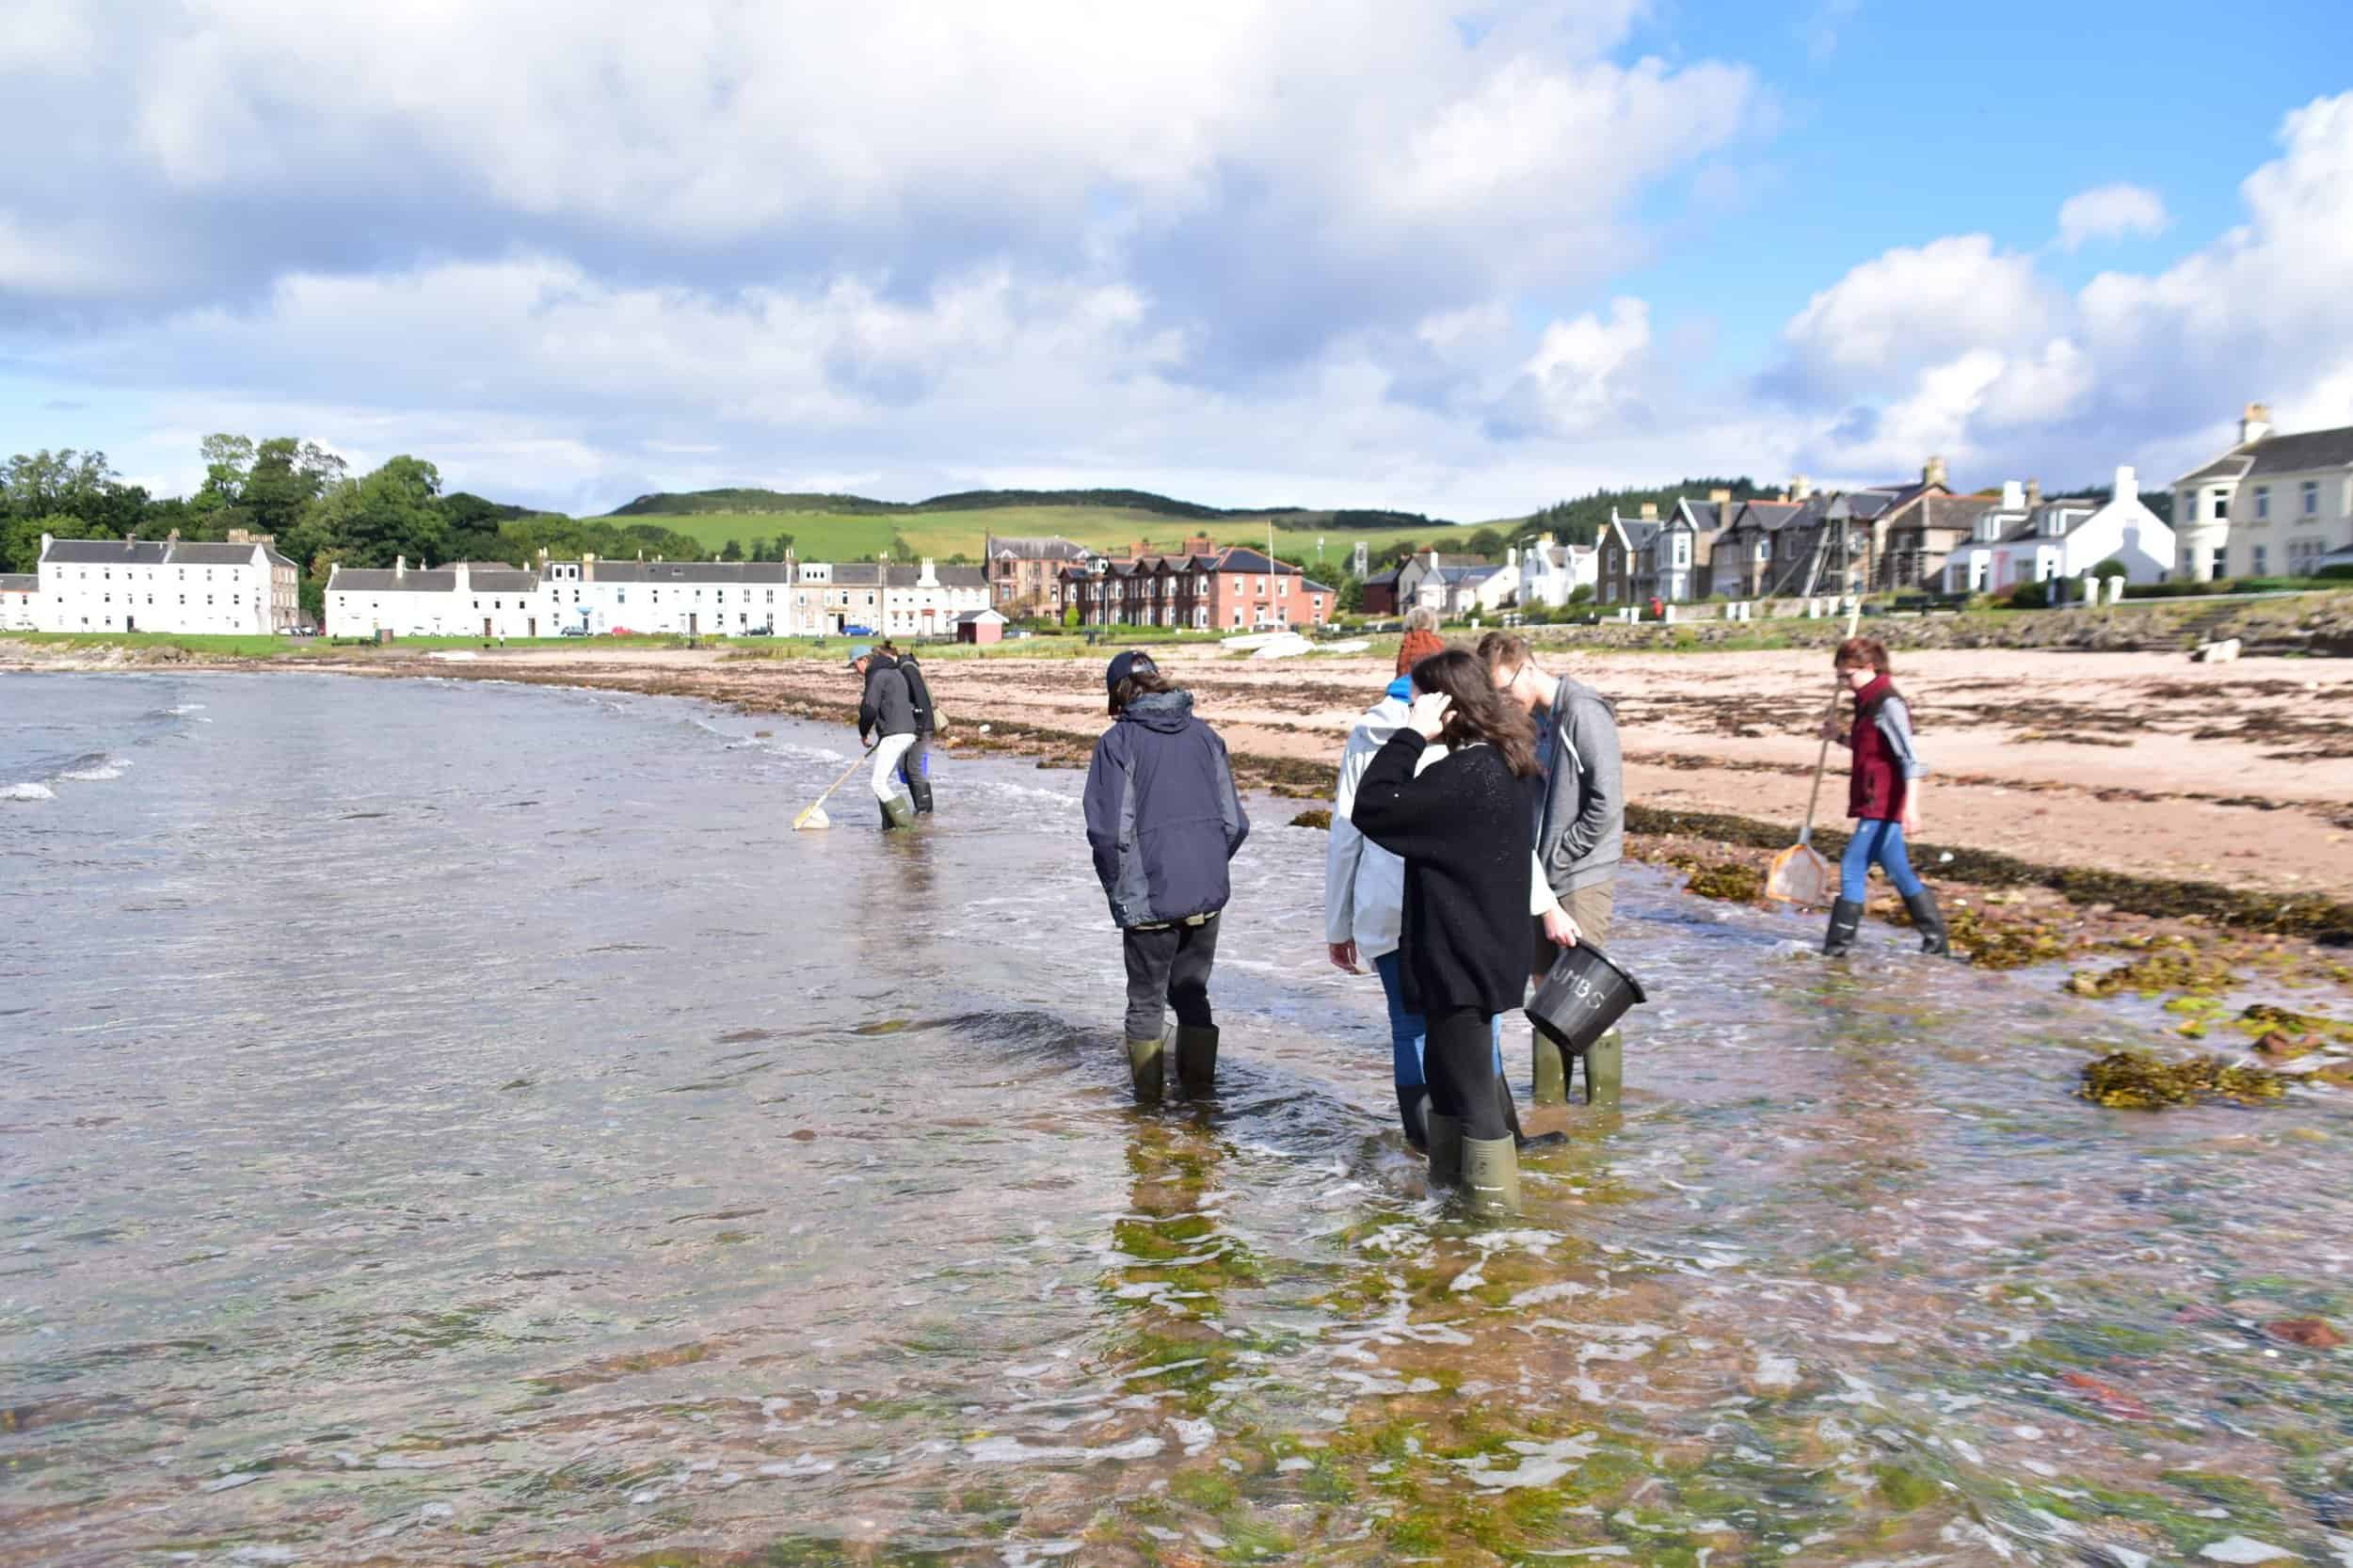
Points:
x=980 y=626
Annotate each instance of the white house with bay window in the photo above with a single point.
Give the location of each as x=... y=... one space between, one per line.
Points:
x=2017 y=542
x=2273 y=505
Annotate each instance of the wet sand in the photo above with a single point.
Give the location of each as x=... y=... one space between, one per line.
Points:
x=2135 y=762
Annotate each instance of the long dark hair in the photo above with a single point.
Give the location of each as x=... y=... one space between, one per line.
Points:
x=1479 y=712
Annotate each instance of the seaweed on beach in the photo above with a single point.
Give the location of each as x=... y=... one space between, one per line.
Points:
x=2164 y=964
x=1734 y=881
x=2135 y=1080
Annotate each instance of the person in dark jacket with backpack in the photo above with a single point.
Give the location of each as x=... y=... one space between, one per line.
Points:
x=1882 y=796
x=915 y=766
x=1162 y=820
x=1462 y=827
x=886 y=710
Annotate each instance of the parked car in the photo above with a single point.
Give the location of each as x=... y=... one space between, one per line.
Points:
x=572 y=631
x=857 y=631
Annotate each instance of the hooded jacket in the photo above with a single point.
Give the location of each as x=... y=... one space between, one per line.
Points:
x=1364 y=885
x=885 y=709
x=1580 y=812
x=919 y=694
x=1162 y=814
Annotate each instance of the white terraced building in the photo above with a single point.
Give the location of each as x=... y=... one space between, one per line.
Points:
x=592 y=597
x=241 y=587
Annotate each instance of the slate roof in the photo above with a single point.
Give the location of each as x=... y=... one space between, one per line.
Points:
x=1383 y=579
x=2300 y=453
x=110 y=552
x=503 y=580
x=1946 y=512
x=19 y=582
x=970 y=616
x=374 y=580
x=199 y=554
x=1315 y=588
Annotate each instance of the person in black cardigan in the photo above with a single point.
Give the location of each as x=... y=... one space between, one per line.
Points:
x=1461 y=826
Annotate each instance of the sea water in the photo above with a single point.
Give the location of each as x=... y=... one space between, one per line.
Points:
x=461 y=1123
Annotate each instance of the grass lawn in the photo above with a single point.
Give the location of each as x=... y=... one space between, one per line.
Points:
x=833 y=536
x=259 y=647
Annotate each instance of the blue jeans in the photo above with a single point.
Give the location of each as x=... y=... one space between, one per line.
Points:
x=1406 y=1030
x=1883 y=841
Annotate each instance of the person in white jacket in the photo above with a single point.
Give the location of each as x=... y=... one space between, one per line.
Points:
x=1364 y=902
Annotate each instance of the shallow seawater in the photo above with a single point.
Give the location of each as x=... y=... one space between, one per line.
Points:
x=448 y=1123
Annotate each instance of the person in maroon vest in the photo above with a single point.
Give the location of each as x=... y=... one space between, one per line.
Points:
x=1882 y=795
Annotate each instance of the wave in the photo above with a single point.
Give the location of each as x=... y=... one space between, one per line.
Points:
x=26 y=792
x=96 y=768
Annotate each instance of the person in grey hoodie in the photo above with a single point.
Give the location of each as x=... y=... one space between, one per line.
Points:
x=1579 y=812
x=1162 y=820
x=886 y=712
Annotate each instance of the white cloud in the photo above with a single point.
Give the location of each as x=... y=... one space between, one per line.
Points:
x=1911 y=304
x=2110 y=212
x=1586 y=373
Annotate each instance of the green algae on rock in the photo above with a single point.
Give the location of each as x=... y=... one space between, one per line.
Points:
x=1312 y=819
x=2165 y=963
x=2135 y=1080
x=1733 y=881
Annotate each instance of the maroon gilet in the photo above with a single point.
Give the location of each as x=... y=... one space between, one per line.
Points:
x=1875 y=791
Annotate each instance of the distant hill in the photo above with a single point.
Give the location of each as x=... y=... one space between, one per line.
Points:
x=754 y=501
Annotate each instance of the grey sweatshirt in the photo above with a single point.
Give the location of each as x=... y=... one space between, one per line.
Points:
x=1580 y=817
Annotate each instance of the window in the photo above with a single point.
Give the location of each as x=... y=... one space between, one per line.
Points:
x=2220 y=501
x=2262 y=502
x=2255 y=561
x=2309 y=493
x=2303 y=557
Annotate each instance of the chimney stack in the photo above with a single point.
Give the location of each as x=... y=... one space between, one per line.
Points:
x=400 y=566
x=588 y=566
x=1650 y=511
x=1932 y=473
x=2127 y=484
x=2013 y=496
x=2034 y=492
x=1800 y=488
x=173 y=537
x=1720 y=498
x=2255 y=423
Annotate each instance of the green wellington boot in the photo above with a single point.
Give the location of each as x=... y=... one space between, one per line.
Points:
x=897 y=813
x=1147 y=1068
x=1605 y=1070
x=1549 y=1084
x=1196 y=1059
x=1446 y=1149
x=1491 y=1177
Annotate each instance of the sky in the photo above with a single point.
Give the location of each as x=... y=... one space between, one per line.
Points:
x=1456 y=258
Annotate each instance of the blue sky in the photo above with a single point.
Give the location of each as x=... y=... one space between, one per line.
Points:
x=1462 y=261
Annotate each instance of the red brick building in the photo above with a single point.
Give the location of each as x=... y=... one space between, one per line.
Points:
x=1232 y=589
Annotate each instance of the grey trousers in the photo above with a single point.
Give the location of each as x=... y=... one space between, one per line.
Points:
x=1168 y=966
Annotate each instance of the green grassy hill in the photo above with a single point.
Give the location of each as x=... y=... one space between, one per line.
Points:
x=847 y=527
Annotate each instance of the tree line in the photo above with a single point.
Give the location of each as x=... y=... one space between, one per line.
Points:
x=318 y=512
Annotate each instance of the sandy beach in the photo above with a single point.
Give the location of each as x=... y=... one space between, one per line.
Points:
x=2141 y=763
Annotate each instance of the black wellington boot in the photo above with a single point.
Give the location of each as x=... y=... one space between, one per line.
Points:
x=921 y=789
x=1412 y=1107
x=1846 y=925
x=1521 y=1141
x=1929 y=920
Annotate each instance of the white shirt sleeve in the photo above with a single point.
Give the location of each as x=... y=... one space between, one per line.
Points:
x=1541 y=900
x=1347 y=847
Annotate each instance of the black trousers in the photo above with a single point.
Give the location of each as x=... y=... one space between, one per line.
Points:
x=1458 y=1059
x=1169 y=966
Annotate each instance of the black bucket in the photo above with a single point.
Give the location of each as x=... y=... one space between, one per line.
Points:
x=1583 y=995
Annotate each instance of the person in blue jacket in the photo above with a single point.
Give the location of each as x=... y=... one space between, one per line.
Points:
x=1163 y=819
